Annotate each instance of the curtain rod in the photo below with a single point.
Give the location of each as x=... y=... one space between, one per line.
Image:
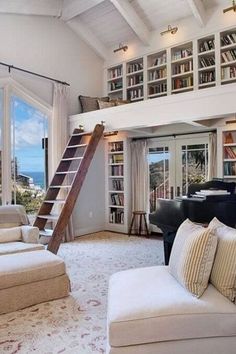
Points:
x=10 y=67
x=174 y=135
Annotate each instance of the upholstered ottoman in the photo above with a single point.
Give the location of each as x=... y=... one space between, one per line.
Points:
x=30 y=278
x=149 y=312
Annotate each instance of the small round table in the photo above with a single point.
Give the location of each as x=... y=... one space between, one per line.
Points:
x=140 y=216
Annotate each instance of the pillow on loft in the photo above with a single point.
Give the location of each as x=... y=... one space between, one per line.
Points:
x=192 y=256
x=102 y=104
x=89 y=104
x=223 y=275
x=120 y=102
x=10 y=235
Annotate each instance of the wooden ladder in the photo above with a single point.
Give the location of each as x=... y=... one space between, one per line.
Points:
x=81 y=155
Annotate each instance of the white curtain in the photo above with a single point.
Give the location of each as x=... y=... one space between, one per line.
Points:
x=139 y=175
x=59 y=136
x=212 y=156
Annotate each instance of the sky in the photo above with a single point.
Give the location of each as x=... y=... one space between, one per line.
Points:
x=30 y=127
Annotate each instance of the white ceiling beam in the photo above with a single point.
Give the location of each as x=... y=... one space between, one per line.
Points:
x=32 y=7
x=77 y=7
x=133 y=20
x=198 y=10
x=87 y=35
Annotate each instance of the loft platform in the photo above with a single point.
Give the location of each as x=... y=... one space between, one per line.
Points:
x=215 y=102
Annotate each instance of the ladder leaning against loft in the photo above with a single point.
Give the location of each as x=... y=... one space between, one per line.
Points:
x=73 y=166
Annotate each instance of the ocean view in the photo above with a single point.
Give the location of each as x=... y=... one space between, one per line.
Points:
x=38 y=177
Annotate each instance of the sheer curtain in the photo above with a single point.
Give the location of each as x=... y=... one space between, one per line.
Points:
x=139 y=175
x=212 y=156
x=59 y=135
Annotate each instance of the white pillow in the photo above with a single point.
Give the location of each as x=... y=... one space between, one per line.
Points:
x=192 y=256
x=223 y=275
x=11 y=234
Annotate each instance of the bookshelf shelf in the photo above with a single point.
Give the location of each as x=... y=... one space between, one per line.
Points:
x=157 y=94
x=183 y=89
x=187 y=73
x=207 y=84
x=154 y=67
x=180 y=60
x=133 y=86
x=134 y=72
x=157 y=80
x=115 y=91
x=115 y=78
x=207 y=52
x=206 y=68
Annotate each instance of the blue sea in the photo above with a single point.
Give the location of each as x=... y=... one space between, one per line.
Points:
x=38 y=177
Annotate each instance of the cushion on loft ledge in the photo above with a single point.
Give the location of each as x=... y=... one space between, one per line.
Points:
x=89 y=104
x=102 y=104
x=10 y=235
x=223 y=275
x=192 y=256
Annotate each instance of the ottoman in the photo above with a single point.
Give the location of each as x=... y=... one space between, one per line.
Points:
x=30 y=278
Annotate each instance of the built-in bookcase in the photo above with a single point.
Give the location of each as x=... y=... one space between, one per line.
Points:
x=228 y=56
x=134 y=80
x=115 y=81
x=229 y=154
x=182 y=68
x=117 y=176
x=206 y=62
x=157 y=74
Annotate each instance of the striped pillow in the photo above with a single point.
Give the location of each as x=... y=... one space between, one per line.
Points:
x=223 y=275
x=192 y=256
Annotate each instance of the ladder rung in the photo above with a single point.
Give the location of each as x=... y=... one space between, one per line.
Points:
x=76 y=146
x=79 y=134
x=46 y=232
x=59 y=201
x=72 y=158
x=65 y=172
x=68 y=186
x=48 y=217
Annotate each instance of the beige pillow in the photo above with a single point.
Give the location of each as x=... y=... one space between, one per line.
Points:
x=102 y=104
x=223 y=275
x=10 y=235
x=192 y=256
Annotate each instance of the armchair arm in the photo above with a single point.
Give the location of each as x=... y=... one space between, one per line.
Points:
x=30 y=234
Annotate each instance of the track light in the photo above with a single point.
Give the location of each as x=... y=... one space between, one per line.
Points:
x=170 y=29
x=121 y=47
x=231 y=8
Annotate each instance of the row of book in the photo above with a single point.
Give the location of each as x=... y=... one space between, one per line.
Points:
x=117 y=199
x=206 y=76
x=160 y=60
x=134 y=67
x=230 y=152
x=206 y=45
x=182 y=53
x=229 y=38
x=182 y=82
x=117 y=158
x=182 y=68
x=117 y=170
x=116 y=72
x=206 y=61
x=230 y=168
x=116 y=146
x=135 y=80
x=135 y=93
x=157 y=74
x=159 y=88
x=116 y=85
x=230 y=55
x=116 y=217
x=118 y=184
x=228 y=73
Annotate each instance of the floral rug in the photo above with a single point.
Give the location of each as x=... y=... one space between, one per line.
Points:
x=77 y=324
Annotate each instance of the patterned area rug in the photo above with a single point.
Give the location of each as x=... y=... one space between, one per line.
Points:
x=77 y=324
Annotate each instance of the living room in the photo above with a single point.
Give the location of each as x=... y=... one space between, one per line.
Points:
x=125 y=105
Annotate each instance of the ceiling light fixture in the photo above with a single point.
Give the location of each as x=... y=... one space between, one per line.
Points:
x=231 y=8
x=121 y=47
x=170 y=29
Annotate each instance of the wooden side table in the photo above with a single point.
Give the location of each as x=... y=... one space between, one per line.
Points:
x=140 y=216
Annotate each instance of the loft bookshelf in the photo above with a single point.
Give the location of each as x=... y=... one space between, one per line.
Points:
x=229 y=154
x=195 y=65
x=117 y=201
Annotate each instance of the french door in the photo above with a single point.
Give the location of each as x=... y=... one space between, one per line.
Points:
x=175 y=163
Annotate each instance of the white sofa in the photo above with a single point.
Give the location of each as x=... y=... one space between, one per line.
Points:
x=149 y=312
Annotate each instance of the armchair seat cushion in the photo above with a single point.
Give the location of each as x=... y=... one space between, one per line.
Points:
x=148 y=305
x=16 y=247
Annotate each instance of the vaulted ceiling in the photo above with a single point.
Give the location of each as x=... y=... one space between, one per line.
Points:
x=105 y=23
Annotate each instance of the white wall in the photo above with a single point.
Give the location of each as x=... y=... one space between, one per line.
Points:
x=48 y=46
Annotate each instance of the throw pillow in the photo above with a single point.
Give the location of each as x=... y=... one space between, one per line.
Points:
x=102 y=104
x=192 y=256
x=223 y=275
x=120 y=102
x=89 y=104
x=10 y=235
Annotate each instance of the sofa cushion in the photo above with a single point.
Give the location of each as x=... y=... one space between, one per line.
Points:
x=192 y=256
x=223 y=275
x=28 y=267
x=148 y=305
x=10 y=235
x=16 y=247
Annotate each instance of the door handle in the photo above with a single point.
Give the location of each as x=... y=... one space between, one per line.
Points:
x=172 y=192
x=178 y=191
